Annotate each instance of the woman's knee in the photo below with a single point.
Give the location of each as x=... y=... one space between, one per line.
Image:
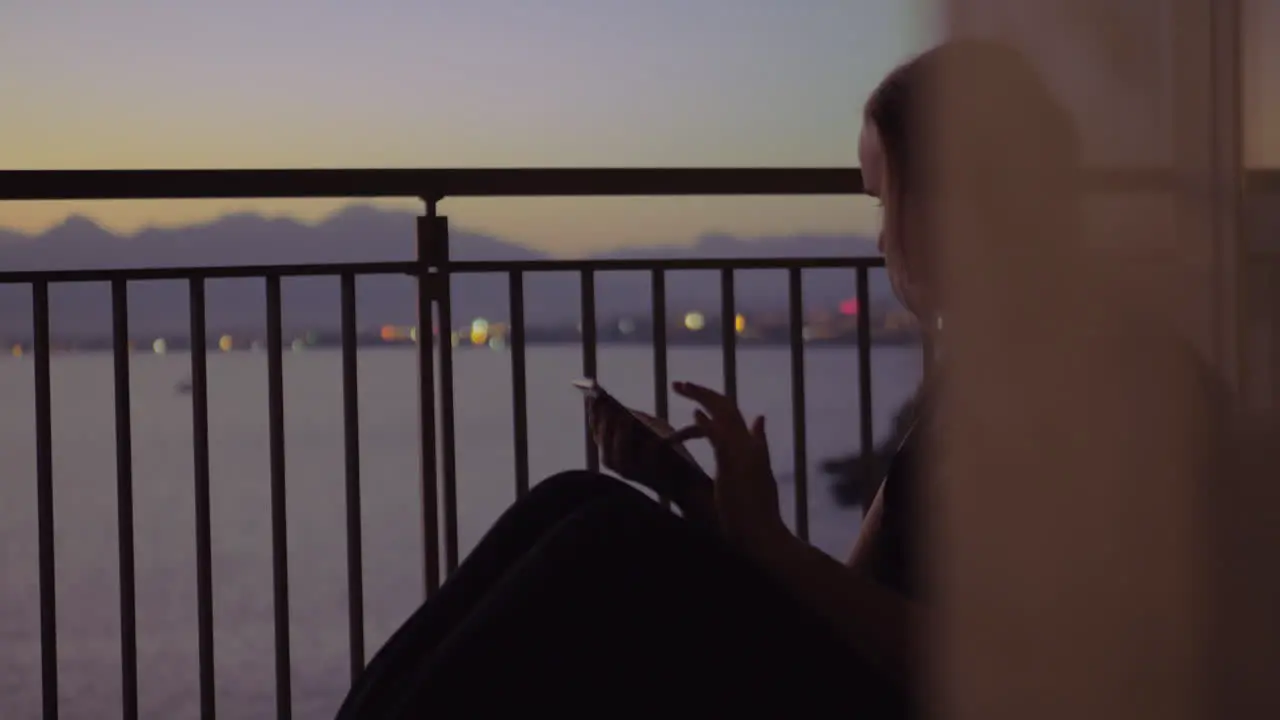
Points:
x=574 y=486
x=551 y=502
x=628 y=523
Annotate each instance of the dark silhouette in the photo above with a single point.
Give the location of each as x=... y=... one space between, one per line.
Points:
x=587 y=587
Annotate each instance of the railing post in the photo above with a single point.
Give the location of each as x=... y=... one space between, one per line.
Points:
x=279 y=499
x=427 y=286
x=866 y=429
x=44 y=501
x=351 y=458
x=587 y=288
x=448 y=444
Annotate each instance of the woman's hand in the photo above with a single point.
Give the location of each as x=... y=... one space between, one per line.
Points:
x=654 y=459
x=746 y=494
x=624 y=451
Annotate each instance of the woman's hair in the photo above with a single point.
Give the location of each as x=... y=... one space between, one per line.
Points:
x=1001 y=90
x=1013 y=143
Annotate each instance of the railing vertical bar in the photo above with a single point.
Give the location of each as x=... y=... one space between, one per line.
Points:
x=519 y=394
x=588 y=285
x=351 y=454
x=865 y=426
x=800 y=435
x=427 y=403
x=44 y=502
x=448 y=435
x=204 y=533
x=729 y=333
x=661 y=393
x=124 y=499
x=279 y=529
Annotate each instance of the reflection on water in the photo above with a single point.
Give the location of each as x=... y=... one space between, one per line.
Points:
x=85 y=502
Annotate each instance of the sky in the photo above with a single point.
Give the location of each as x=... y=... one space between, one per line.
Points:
x=480 y=83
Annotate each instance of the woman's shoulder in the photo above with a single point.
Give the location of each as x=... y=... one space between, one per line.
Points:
x=898 y=545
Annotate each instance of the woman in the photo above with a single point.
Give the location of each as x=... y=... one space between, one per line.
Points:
x=586 y=596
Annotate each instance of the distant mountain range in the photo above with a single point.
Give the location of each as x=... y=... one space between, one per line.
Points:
x=362 y=233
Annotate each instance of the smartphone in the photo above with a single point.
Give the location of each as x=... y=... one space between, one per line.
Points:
x=675 y=475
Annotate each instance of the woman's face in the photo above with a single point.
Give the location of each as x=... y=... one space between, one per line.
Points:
x=894 y=241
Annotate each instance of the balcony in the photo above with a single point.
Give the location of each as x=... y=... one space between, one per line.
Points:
x=441 y=542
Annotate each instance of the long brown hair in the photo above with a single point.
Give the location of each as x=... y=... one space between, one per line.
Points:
x=1015 y=145
x=981 y=70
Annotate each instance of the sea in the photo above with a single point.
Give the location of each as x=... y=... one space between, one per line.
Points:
x=86 y=528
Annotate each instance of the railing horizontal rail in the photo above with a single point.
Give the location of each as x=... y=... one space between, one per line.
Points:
x=438 y=183
x=206 y=273
x=488 y=182
x=413 y=267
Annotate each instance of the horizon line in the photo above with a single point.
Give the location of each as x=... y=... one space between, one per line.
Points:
x=382 y=209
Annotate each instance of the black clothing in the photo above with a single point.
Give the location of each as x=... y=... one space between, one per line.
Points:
x=586 y=597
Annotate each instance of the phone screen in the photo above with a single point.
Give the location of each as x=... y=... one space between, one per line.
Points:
x=683 y=472
x=593 y=392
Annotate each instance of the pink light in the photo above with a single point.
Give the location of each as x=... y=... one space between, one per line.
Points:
x=849 y=307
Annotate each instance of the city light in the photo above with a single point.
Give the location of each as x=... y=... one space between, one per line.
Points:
x=479 y=331
x=837 y=321
x=397 y=333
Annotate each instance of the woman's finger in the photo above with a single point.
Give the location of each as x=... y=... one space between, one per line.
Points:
x=716 y=404
x=677 y=439
x=762 y=441
x=721 y=408
x=692 y=432
x=724 y=446
x=710 y=428
x=702 y=421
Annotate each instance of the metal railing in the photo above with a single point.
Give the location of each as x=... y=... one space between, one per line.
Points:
x=433 y=270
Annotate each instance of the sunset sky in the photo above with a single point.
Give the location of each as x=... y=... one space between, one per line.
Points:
x=491 y=83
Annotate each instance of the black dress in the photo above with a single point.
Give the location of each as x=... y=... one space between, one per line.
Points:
x=587 y=598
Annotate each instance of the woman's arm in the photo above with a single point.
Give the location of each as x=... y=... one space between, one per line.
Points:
x=879 y=623
x=876 y=622
x=862 y=555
